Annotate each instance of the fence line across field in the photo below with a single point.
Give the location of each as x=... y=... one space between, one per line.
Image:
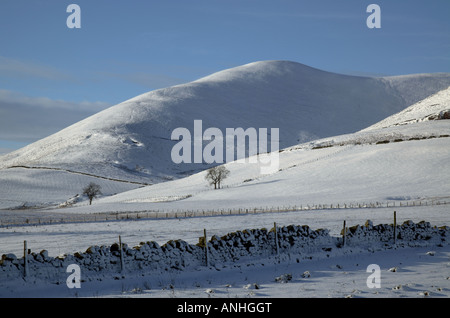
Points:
x=162 y=214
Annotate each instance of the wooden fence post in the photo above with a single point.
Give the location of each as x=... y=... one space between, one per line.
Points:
x=206 y=247
x=25 y=259
x=395 y=227
x=276 y=240
x=122 y=267
x=344 y=230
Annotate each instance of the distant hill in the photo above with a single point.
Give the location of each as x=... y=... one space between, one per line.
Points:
x=434 y=107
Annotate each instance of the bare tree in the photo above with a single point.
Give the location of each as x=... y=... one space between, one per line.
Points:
x=216 y=175
x=92 y=191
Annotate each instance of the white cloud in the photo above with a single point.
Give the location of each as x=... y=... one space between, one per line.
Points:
x=27 y=119
x=10 y=97
x=4 y=151
x=25 y=69
x=148 y=80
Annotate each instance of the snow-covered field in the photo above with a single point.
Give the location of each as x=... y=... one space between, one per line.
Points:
x=419 y=271
x=417 y=274
x=73 y=237
x=31 y=188
x=360 y=171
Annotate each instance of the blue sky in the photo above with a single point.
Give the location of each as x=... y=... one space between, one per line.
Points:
x=52 y=76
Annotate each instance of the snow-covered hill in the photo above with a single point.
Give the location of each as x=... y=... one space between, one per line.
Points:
x=399 y=162
x=132 y=140
x=435 y=107
x=405 y=163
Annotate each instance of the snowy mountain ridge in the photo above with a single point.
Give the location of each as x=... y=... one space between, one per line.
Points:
x=132 y=140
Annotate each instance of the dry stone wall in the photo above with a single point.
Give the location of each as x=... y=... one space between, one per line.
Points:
x=241 y=246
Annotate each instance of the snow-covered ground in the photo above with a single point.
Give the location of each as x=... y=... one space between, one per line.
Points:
x=30 y=188
x=371 y=166
x=420 y=271
x=361 y=170
x=73 y=237
x=417 y=275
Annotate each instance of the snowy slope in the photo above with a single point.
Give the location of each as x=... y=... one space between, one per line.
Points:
x=32 y=188
x=431 y=108
x=400 y=163
x=378 y=164
x=132 y=140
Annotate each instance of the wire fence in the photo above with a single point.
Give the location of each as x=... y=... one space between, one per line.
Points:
x=16 y=219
